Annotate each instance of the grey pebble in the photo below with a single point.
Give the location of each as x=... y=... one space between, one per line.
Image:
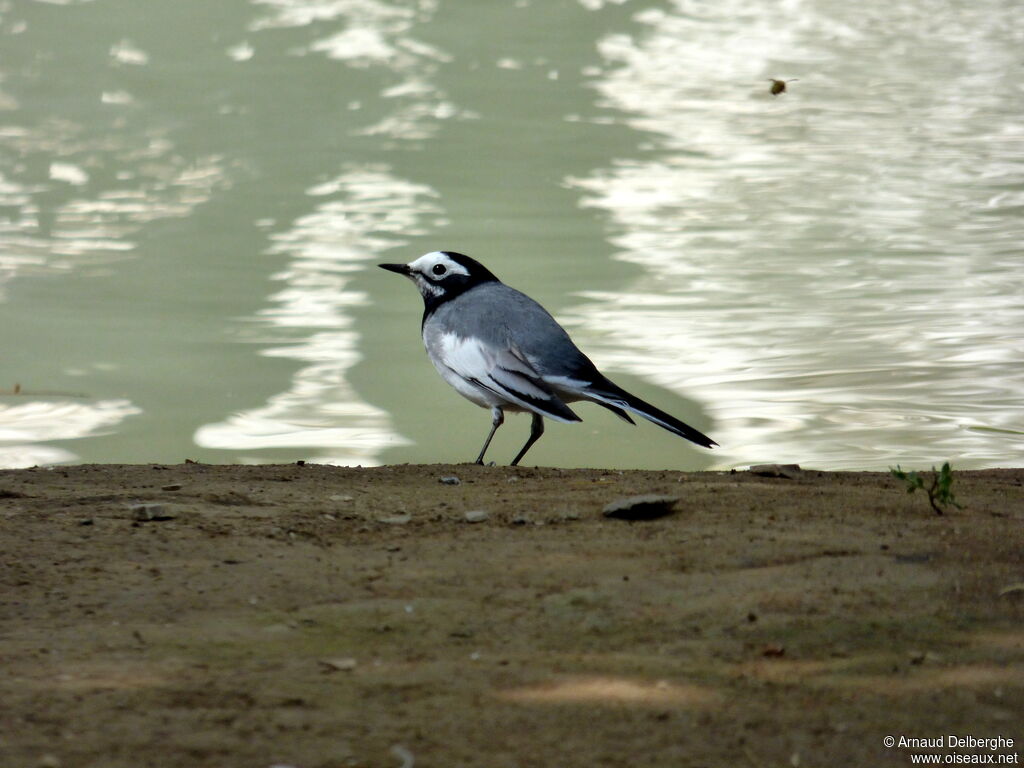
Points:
x=476 y=515
x=649 y=507
x=395 y=519
x=345 y=664
x=788 y=471
x=145 y=512
x=451 y=480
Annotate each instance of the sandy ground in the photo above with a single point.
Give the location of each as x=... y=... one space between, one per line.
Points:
x=320 y=617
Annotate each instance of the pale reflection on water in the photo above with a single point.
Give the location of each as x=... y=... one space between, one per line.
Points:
x=189 y=206
x=834 y=280
x=24 y=427
x=321 y=410
x=65 y=209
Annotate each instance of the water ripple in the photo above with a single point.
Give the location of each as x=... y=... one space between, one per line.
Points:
x=840 y=292
x=372 y=211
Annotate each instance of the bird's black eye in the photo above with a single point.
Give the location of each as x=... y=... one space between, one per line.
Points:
x=439 y=269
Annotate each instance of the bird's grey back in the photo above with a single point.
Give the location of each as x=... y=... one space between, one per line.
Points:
x=502 y=316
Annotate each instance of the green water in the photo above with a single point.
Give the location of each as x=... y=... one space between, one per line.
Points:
x=193 y=197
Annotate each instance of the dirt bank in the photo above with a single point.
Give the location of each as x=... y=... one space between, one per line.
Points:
x=321 y=617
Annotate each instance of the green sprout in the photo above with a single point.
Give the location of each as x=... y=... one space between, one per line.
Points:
x=940 y=492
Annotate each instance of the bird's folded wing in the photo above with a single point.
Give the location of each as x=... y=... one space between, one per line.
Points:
x=507 y=373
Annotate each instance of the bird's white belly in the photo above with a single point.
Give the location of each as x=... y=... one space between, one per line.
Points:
x=482 y=396
x=460 y=361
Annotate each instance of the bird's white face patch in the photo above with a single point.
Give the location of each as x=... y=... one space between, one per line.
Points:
x=430 y=269
x=437 y=266
x=425 y=287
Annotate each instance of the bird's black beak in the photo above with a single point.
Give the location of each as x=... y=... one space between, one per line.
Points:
x=402 y=269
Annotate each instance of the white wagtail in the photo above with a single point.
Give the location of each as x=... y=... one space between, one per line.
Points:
x=504 y=351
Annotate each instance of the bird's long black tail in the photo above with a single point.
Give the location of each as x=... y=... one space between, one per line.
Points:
x=616 y=399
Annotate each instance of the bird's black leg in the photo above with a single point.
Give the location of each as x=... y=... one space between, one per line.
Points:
x=497 y=419
x=536 y=430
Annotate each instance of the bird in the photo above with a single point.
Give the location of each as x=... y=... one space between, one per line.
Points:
x=502 y=350
x=779 y=86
